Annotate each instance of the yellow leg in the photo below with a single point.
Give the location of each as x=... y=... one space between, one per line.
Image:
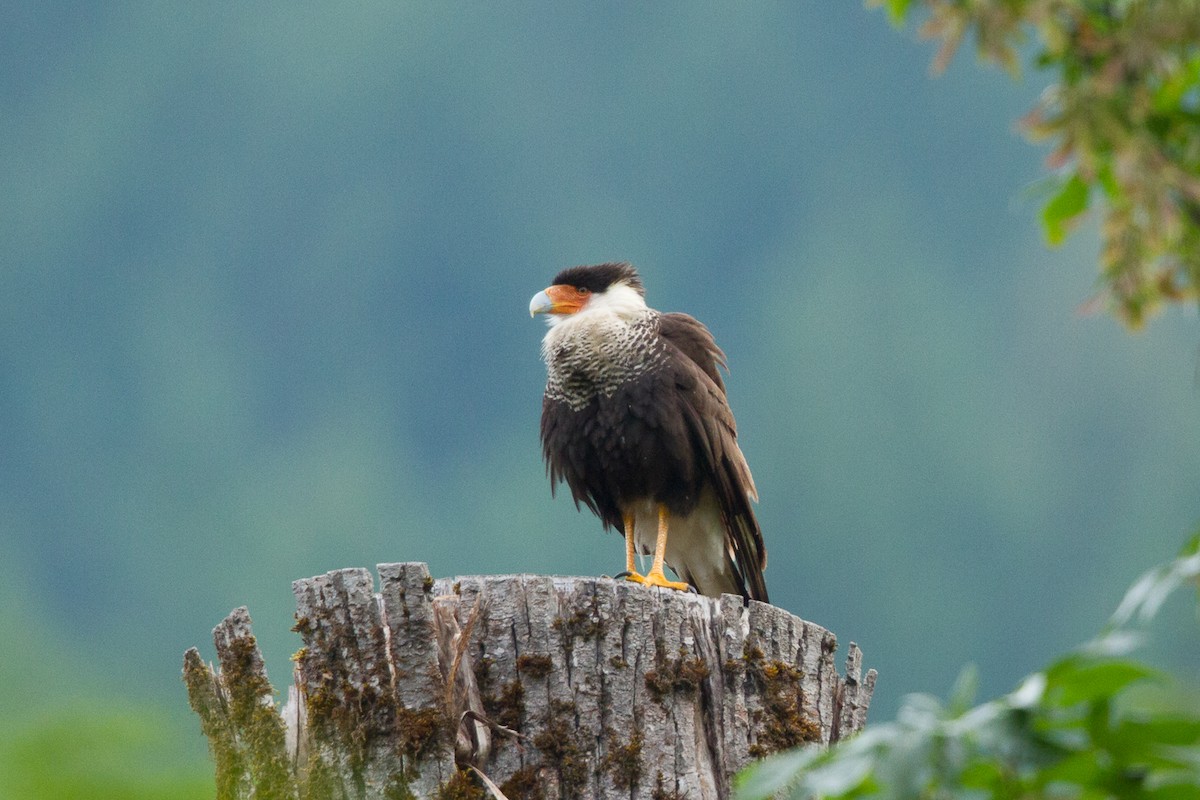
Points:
x=630 y=564
x=656 y=576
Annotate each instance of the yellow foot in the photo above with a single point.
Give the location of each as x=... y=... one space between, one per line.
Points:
x=656 y=578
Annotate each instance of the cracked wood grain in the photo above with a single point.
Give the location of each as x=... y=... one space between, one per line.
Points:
x=553 y=687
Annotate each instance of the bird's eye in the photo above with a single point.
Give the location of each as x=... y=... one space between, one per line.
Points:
x=582 y=289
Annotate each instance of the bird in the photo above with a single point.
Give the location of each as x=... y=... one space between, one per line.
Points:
x=635 y=421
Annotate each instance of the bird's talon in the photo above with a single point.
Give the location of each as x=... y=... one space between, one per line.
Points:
x=657 y=579
x=620 y=575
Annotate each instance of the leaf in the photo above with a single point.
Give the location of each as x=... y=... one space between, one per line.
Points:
x=897 y=9
x=1108 y=182
x=1029 y=693
x=1073 y=679
x=965 y=688
x=920 y=712
x=1169 y=96
x=773 y=774
x=982 y=775
x=1161 y=730
x=1183 y=790
x=1191 y=547
x=837 y=776
x=1148 y=593
x=1116 y=642
x=1079 y=768
x=1070 y=201
x=984 y=723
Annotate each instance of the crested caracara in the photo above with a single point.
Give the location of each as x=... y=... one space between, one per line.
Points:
x=636 y=422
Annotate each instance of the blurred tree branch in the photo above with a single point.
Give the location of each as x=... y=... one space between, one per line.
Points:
x=1123 y=115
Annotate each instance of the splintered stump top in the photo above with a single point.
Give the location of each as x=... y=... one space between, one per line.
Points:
x=552 y=687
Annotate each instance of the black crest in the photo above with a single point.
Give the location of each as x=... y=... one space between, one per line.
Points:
x=598 y=277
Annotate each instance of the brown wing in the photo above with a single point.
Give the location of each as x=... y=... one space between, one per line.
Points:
x=693 y=339
x=714 y=433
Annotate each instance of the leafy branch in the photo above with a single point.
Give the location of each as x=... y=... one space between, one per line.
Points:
x=1123 y=116
x=1070 y=730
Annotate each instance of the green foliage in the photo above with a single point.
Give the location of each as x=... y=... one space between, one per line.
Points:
x=1068 y=202
x=1075 y=729
x=99 y=755
x=1123 y=114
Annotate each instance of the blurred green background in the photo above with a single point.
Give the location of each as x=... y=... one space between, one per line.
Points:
x=264 y=274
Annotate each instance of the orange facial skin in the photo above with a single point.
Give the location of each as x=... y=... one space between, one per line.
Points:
x=567 y=299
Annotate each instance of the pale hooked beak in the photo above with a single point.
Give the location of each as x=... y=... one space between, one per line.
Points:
x=540 y=304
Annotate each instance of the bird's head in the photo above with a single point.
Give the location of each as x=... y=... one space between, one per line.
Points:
x=615 y=288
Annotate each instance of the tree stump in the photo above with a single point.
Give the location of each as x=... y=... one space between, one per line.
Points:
x=551 y=687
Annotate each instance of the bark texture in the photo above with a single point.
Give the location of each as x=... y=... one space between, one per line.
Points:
x=552 y=687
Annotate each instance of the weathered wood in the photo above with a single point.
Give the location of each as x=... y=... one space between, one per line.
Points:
x=237 y=714
x=552 y=687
